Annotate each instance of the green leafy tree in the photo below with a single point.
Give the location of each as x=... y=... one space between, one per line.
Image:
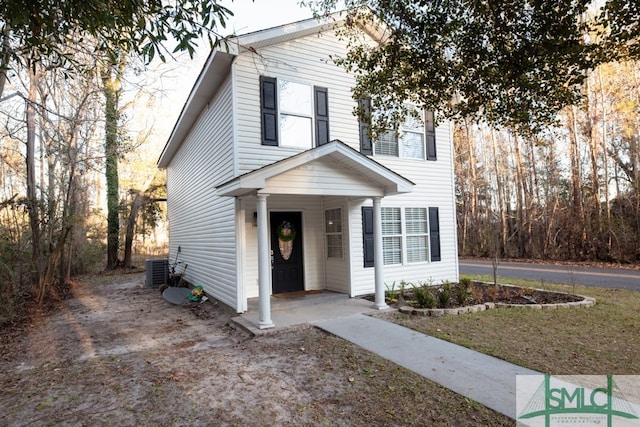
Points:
x=514 y=63
x=34 y=29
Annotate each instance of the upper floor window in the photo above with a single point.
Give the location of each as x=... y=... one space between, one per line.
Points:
x=295 y=114
x=415 y=138
x=289 y=111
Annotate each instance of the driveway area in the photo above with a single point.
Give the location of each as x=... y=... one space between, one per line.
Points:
x=117 y=353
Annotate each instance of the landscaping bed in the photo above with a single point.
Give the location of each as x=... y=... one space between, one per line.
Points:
x=598 y=341
x=473 y=296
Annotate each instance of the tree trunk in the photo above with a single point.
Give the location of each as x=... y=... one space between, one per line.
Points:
x=131 y=224
x=605 y=161
x=32 y=197
x=111 y=89
x=520 y=199
x=499 y=189
x=595 y=228
x=576 y=221
x=4 y=59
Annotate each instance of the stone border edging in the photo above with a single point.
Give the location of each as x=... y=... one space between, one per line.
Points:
x=437 y=312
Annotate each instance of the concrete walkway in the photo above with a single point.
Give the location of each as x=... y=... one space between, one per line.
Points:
x=485 y=379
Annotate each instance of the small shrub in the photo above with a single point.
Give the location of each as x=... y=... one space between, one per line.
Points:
x=423 y=296
x=403 y=286
x=392 y=294
x=444 y=295
x=462 y=291
x=477 y=295
x=466 y=282
x=492 y=293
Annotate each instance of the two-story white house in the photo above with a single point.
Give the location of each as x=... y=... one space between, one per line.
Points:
x=274 y=186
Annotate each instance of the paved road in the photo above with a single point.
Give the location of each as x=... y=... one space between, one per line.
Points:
x=588 y=276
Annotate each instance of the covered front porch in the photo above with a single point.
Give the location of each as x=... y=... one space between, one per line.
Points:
x=303 y=308
x=284 y=204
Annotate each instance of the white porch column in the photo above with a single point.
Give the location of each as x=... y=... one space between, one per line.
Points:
x=378 y=255
x=264 y=265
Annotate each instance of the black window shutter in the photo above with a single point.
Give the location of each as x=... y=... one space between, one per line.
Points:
x=430 y=128
x=367 y=235
x=434 y=234
x=269 y=110
x=366 y=147
x=322 y=115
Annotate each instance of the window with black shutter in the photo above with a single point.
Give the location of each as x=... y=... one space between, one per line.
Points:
x=414 y=138
x=288 y=110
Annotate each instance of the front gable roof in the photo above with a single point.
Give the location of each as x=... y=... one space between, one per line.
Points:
x=355 y=167
x=218 y=67
x=213 y=74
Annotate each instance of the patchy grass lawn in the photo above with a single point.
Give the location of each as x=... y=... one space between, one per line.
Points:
x=599 y=340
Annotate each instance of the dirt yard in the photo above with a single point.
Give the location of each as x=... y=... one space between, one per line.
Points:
x=116 y=353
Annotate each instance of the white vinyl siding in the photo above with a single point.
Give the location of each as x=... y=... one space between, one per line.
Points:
x=328 y=176
x=201 y=223
x=434 y=187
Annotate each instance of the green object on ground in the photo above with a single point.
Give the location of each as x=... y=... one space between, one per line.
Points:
x=196 y=294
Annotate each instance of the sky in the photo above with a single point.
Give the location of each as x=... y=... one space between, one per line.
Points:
x=260 y=14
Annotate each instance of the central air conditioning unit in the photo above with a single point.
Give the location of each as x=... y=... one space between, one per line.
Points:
x=157 y=272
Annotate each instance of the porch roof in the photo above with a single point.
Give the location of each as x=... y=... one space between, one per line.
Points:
x=361 y=175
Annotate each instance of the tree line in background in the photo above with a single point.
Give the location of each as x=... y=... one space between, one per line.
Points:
x=53 y=156
x=570 y=192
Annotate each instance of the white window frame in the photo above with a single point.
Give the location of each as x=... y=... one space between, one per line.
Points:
x=334 y=234
x=403 y=236
x=282 y=111
x=389 y=236
x=422 y=234
x=397 y=137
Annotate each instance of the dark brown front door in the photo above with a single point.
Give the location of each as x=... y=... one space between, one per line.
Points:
x=286 y=246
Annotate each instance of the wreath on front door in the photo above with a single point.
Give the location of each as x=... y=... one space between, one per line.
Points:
x=286 y=232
